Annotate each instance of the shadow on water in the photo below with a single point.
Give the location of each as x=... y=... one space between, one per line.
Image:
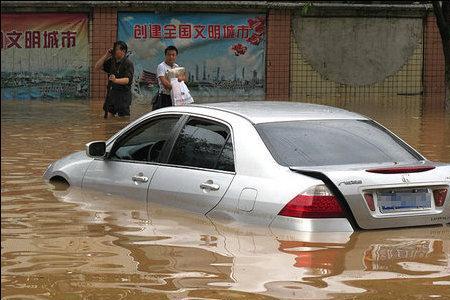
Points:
x=60 y=242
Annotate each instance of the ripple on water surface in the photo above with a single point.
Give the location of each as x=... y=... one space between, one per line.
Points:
x=66 y=243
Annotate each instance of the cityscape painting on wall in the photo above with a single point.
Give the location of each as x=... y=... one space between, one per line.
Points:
x=44 y=56
x=224 y=54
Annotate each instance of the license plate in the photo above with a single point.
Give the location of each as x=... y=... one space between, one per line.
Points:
x=401 y=201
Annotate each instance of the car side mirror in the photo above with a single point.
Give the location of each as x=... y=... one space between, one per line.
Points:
x=96 y=149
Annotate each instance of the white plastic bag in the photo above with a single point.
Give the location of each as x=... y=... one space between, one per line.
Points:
x=180 y=93
x=175 y=92
x=186 y=94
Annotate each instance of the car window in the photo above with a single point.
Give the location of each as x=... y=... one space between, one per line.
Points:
x=146 y=142
x=204 y=144
x=226 y=158
x=332 y=142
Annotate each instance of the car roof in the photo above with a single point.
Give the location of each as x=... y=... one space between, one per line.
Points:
x=278 y=111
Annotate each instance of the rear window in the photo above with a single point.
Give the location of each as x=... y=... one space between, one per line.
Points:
x=332 y=142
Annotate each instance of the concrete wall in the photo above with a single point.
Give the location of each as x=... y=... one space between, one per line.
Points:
x=278 y=55
x=356 y=58
x=357 y=51
x=298 y=65
x=103 y=35
x=330 y=57
x=434 y=72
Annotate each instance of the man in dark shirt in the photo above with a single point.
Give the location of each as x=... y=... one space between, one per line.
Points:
x=120 y=70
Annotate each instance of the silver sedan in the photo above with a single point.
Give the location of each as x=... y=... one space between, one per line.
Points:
x=297 y=166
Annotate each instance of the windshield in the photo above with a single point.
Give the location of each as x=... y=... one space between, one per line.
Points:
x=333 y=142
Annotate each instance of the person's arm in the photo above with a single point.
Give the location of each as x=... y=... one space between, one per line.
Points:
x=129 y=72
x=99 y=64
x=165 y=82
x=120 y=81
x=160 y=72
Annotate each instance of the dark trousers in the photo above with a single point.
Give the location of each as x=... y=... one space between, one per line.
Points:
x=161 y=100
x=118 y=102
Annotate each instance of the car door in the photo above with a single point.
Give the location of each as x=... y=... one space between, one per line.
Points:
x=128 y=168
x=199 y=168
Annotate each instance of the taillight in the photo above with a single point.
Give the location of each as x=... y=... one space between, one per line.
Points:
x=439 y=196
x=369 y=200
x=316 y=202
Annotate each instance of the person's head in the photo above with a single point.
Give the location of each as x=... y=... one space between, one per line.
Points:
x=171 y=53
x=120 y=49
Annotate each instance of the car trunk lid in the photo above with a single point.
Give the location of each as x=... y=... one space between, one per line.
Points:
x=388 y=195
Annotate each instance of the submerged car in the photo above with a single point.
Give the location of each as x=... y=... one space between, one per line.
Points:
x=297 y=166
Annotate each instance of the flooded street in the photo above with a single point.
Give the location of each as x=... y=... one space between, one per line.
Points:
x=73 y=244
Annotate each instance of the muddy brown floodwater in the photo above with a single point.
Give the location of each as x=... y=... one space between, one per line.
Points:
x=72 y=244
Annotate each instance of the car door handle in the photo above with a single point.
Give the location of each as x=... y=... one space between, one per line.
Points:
x=209 y=185
x=140 y=178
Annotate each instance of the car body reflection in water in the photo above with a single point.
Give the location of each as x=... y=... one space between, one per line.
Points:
x=181 y=252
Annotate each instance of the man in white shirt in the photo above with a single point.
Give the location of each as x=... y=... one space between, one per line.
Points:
x=163 y=98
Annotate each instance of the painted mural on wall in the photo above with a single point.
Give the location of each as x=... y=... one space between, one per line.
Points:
x=224 y=54
x=44 y=56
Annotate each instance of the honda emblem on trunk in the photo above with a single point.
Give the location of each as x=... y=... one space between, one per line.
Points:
x=405 y=179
